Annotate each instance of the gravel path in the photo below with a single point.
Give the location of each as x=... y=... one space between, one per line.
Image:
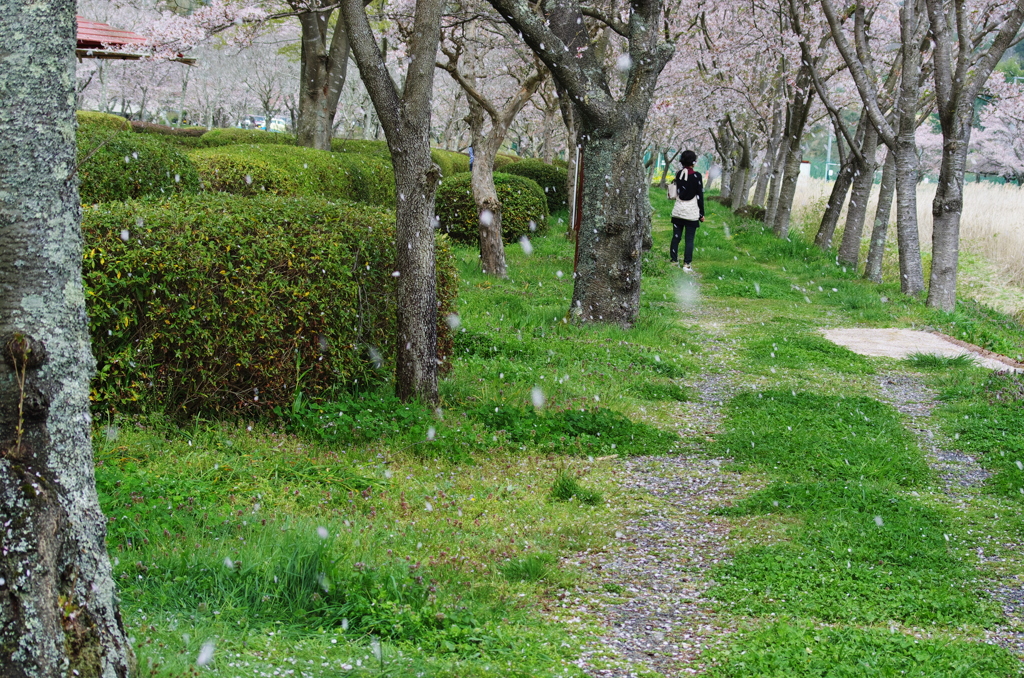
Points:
x=961 y=479
x=654 y=609
x=661 y=620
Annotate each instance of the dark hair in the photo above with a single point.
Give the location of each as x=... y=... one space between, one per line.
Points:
x=688 y=158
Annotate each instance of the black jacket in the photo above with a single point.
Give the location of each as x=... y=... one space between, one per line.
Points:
x=690 y=186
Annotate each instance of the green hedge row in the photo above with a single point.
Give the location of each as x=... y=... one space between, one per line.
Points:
x=524 y=209
x=231 y=136
x=552 y=180
x=223 y=305
x=295 y=172
x=116 y=165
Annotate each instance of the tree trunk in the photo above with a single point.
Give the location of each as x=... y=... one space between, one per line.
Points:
x=322 y=75
x=775 y=187
x=492 y=248
x=800 y=107
x=876 y=251
x=864 y=179
x=836 y=200
x=946 y=209
x=405 y=117
x=58 y=609
x=741 y=179
x=764 y=171
x=911 y=270
x=616 y=225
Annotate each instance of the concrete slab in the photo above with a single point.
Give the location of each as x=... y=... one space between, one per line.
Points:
x=902 y=343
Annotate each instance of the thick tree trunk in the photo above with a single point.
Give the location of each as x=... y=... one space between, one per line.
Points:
x=775 y=187
x=322 y=75
x=946 y=210
x=879 y=233
x=405 y=117
x=764 y=171
x=741 y=178
x=863 y=180
x=911 y=270
x=800 y=107
x=616 y=225
x=485 y=148
x=834 y=207
x=58 y=609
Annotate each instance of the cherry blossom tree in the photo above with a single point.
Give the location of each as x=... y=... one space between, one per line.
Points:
x=607 y=62
x=404 y=113
x=473 y=49
x=970 y=38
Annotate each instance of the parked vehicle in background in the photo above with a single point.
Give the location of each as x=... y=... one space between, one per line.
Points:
x=277 y=124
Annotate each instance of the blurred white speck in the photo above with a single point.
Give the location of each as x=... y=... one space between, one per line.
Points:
x=396 y=274
x=228 y=563
x=524 y=242
x=624 y=63
x=322 y=532
x=487 y=217
x=427 y=506
x=248 y=180
x=453 y=320
x=878 y=520
x=537 y=397
x=431 y=432
x=533 y=226
x=125 y=235
x=559 y=274
x=205 y=654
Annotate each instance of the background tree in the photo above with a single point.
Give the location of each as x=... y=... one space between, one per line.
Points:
x=473 y=50
x=58 y=610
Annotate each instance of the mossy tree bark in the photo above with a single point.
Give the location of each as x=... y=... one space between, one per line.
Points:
x=58 y=610
x=405 y=116
x=616 y=210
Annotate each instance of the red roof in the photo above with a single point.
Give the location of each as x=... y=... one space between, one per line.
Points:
x=94 y=35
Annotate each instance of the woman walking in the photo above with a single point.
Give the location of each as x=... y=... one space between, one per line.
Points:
x=688 y=211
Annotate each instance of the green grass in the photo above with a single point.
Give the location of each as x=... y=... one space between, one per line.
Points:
x=369 y=537
x=795 y=650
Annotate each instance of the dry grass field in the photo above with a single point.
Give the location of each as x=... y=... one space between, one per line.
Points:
x=991 y=232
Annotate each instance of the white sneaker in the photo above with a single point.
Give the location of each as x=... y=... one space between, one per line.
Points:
x=688 y=268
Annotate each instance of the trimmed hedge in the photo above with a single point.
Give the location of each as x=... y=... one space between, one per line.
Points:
x=450 y=162
x=551 y=179
x=221 y=305
x=503 y=160
x=522 y=204
x=106 y=121
x=295 y=171
x=123 y=165
x=140 y=127
x=230 y=136
x=363 y=146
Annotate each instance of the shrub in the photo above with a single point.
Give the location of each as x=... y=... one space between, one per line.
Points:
x=140 y=127
x=450 y=162
x=232 y=135
x=123 y=165
x=106 y=121
x=362 y=146
x=551 y=179
x=503 y=160
x=225 y=305
x=295 y=172
x=523 y=207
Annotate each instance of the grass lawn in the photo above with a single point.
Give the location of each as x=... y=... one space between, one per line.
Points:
x=369 y=537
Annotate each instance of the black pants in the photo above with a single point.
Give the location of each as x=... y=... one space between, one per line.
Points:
x=678 y=225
